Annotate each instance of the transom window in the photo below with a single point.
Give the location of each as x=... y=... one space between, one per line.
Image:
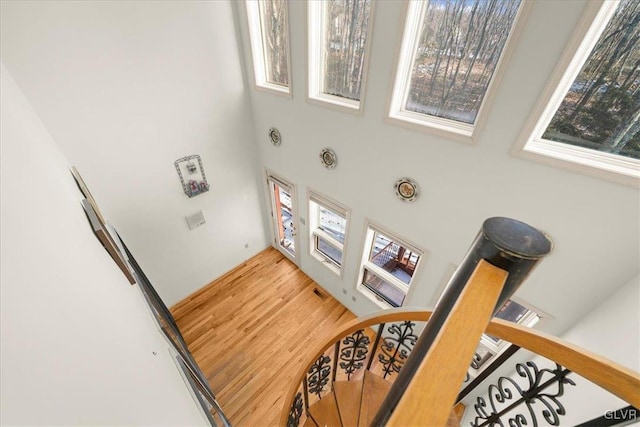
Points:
x=328 y=227
x=593 y=118
x=269 y=33
x=449 y=57
x=388 y=267
x=338 y=49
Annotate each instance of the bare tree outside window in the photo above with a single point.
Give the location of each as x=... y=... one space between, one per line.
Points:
x=274 y=18
x=346 y=26
x=601 y=110
x=457 y=53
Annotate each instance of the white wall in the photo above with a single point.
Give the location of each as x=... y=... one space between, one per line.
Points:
x=126 y=88
x=77 y=340
x=594 y=223
x=611 y=330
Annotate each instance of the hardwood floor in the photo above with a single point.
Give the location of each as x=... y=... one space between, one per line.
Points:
x=252 y=329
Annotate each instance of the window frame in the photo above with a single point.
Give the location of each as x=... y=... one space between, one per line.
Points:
x=316 y=233
x=315 y=61
x=370 y=231
x=405 y=58
x=258 y=56
x=530 y=145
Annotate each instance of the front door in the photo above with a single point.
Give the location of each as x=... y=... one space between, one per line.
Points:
x=283 y=212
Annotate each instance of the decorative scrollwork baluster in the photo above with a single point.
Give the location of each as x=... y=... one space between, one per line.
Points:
x=396 y=348
x=296 y=411
x=318 y=375
x=354 y=352
x=508 y=394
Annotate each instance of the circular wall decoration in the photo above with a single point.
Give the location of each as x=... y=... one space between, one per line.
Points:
x=274 y=136
x=328 y=158
x=406 y=189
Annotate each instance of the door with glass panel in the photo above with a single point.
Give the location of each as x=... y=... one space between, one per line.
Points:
x=284 y=215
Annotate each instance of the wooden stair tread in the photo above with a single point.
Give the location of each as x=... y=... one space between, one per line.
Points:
x=348 y=397
x=374 y=390
x=325 y=411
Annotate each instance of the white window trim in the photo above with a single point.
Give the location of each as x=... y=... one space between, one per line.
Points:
x=370 y=229
x=463 y=132
x=258 y=53
x=329 y=203
x=535 y=317
x=530 y=144
x=316 y=12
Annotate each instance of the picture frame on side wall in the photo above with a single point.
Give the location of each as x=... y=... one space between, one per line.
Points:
x=105 y=237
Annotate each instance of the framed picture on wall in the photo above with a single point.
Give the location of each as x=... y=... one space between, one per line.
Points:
x=105 y=237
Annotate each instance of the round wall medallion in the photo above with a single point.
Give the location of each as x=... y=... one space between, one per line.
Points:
x=328 y=158
x=274 y=136
x=406 y=189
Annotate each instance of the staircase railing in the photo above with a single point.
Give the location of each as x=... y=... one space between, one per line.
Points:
x=430 y=370
x=386 y=254
x=351 y=350
x=611 y=376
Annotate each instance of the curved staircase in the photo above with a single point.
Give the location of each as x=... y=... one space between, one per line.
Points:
x=403 y=367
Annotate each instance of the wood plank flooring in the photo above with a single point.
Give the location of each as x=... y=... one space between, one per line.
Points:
x=251 y=331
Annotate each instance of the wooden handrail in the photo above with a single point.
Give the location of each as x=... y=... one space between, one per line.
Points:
x=433 y=390
x=613 y=377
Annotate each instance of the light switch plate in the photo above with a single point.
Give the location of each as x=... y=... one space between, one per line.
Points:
x=195 y=220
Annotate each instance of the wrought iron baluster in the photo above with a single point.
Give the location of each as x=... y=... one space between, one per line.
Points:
x=396 y=348
x=336 y=349
x=296 y=411
x=508 y=389
x=318 y=375
x=374 y=348
x=354 y=352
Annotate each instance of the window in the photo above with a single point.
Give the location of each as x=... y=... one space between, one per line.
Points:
x=338 y=50
x=448 y=59
x=490 y=347
x=328 y=226
x=388 y=267
x=269 y=33
x=593 y=117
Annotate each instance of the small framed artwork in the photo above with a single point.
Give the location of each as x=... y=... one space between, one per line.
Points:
x=101 y=229
x=86 y=193
x=191 y=174
x=106 y=237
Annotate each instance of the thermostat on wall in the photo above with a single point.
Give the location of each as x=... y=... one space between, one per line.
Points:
x=195 y=220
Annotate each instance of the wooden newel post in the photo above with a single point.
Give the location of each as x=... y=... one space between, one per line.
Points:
x=500 y=258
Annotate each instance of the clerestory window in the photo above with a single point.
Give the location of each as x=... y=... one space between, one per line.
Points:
x=339 y=33
x=592 y=119
x=269 y=34
x=449 y=59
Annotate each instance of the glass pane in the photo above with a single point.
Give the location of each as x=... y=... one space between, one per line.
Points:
x=512 y=311
x=457 y=52
x=601 y=110
x=344 y=46
x=274 y=20
x=394 y=258
x=383 y=289
x=285 y=224
x=332 y=223
x=328 y=250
